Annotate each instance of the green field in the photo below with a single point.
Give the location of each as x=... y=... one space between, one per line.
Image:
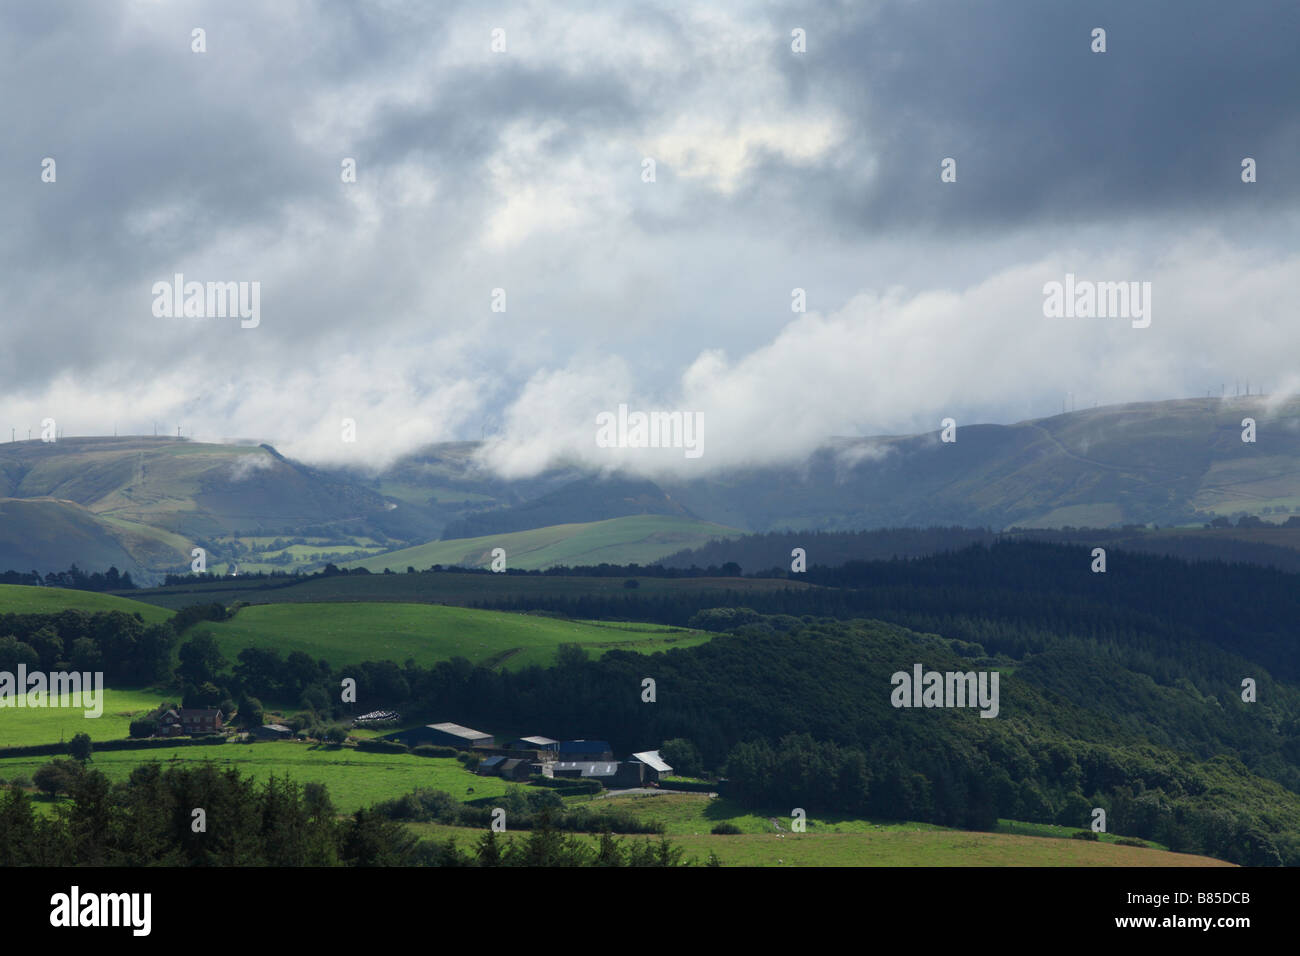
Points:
x=24 y=599
x=355 y=778
x=637 y=539
x=23 y=726
x=695 y=814
x=428 y=633
x=442 y=588
x=895 y=845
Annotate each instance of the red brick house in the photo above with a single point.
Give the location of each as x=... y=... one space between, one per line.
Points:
x=196 y=721
x=189 y=720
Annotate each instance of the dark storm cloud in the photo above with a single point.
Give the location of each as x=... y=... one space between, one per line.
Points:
x=1045 y=131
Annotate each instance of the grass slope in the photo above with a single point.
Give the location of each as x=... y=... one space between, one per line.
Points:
x=355 y=778
x=25 y=599
x=48 y=534
x=895 y=845
x=351 y=633
x=637 y=539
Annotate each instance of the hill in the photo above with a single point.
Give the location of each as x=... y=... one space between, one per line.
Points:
x=1268 y=546
x=144 y=502
x=159 y=497
x=47 y=534
x=22 y=599
x=1168 y=463
x=643 y=539
x=585 y=500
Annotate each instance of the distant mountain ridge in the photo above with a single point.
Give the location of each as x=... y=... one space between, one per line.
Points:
x=149 y=501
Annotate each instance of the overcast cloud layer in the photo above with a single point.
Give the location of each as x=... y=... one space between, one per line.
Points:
x=522 y=170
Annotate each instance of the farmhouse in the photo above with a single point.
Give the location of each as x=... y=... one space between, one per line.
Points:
x=201 y=721
x=655 y=767
x=169 y=724
x=443 y=735
x=189 y=720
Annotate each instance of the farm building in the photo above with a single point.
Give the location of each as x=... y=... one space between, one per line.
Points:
x=585 y=750
x=611 y=773
x=535 y=743
x=443 y=735
x=655 y=767
x=517 y=768
x=272 y=732
x=491 y=767
x=599 y=769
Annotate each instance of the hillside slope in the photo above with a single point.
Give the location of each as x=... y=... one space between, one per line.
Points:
x=643 y=539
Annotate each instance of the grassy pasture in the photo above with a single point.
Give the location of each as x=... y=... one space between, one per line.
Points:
x=26 y=599
x=900 y=845
x=24 y=726
x=355 y=778
x=636 y=539
x=351 y=633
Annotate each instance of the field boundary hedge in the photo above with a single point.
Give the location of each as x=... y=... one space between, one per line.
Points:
x=106 y=746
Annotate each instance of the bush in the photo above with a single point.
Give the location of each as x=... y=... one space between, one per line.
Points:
x=57 y=775
x=683 y=756
x=379 y=746
x=337 y=734
x=471 y=761
x=725 y=829
x=432 y=750
x=144 y=727
x=1085 y=835
x=1129 y=841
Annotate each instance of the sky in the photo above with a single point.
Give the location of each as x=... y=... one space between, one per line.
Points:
x=504 y=146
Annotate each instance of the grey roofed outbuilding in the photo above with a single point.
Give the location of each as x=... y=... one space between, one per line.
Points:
x=652 y=760
x=588 y=768
x=456 y=730
x=272 y=730
x=539 y=741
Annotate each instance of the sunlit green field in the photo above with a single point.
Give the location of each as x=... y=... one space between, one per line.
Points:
x=901 y=845
x=25 y=599
x=350 y=633
x=23 y=726
x=355 y=778
x=635 y=539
